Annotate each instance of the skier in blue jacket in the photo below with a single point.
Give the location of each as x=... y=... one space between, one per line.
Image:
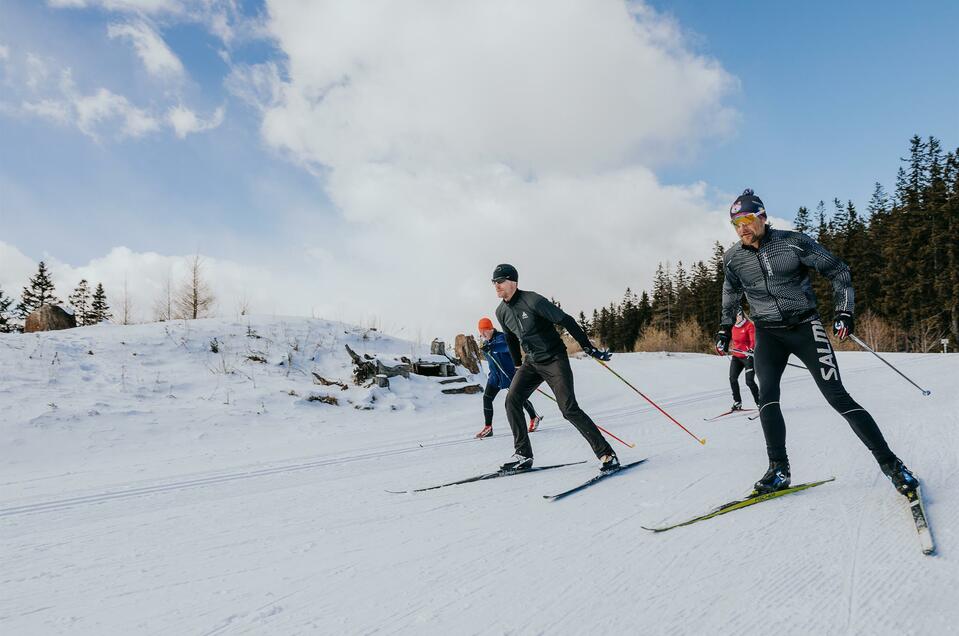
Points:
x=501 y=371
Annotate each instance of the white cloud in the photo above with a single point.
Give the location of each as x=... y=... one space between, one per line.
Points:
x=103 y=108
x=259 y=85
x=157 y=57
x=45 y=91
x=223 y=18
x=16 y=268
x=138 y=6
x=185 y=122
x=4 y=52
x=525 y=132
x=145 y=275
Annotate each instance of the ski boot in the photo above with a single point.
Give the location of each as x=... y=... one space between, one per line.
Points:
x=737 y=406
x=776 y=478
x=486 y=431
x=608 y=462
x=534 y=423
x=901 y=477
x=517 y=462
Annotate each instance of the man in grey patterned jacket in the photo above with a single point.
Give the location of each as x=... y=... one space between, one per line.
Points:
x=771 y=267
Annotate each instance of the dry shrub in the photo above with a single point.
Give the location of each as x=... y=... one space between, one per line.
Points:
x=654 y=339
x=691 y=338
x=325 y=399
x=572 y=347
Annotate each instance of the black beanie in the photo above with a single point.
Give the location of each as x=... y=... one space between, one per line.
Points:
x=505 y=271
x=747 y=203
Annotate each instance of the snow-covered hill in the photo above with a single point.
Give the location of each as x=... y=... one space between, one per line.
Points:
x=150 y=485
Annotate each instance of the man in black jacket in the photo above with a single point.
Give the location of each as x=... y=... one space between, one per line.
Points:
x=771 y=267
x=528 y=320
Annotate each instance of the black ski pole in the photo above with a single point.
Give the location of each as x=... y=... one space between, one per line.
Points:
x=869 y=349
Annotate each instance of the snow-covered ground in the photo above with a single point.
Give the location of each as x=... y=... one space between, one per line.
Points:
x=149 y=485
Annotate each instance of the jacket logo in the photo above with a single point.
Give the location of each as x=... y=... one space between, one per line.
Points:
x=827 y=366
x=525 y=316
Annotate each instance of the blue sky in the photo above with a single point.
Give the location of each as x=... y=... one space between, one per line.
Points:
x=830 y=94
x=325 y=143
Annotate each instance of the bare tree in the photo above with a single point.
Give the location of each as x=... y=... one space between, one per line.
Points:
x=194 y=299
x=164 y=303
x=243 y=305
x=126 y=305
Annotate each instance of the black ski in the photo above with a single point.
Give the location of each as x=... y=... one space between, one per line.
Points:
x=919 y=517
x=730 y=412
x=485 y=476
x=749 y=500
x=597 y=478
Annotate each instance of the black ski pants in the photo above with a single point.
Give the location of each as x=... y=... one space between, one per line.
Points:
x=489 y=394
x=559 y=376
x=809 y=343
x=736 y=366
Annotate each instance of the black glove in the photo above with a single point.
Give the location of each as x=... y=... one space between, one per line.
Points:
x=487 y=346
x=723 y=337
x=599 y=354
x=843 y=326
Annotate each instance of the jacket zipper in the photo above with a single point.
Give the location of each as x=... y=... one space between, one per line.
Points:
x=759 y=261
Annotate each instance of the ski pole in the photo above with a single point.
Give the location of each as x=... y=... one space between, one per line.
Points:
x=869 y=349
x=624 y=443
x=701 y=440
x=746 y=353
x=628 y=444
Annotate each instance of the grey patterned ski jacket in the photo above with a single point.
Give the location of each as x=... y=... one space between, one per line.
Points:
x=775 y=279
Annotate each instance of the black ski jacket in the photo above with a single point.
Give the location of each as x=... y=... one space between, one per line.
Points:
x=775 y=279
x=527 y=320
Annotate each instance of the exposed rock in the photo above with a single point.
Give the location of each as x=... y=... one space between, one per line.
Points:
x=468 y=352
x=49 y=318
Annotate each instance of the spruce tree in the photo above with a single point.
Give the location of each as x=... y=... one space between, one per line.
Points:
x=803 y=222
x=38 y=293
x=6 y=326
x=80 y=301
x=99 y=309
x=584 y=324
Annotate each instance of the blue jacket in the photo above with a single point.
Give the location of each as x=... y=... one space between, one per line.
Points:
x=498 y=352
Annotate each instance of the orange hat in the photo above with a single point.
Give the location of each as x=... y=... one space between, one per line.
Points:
x=485 y=323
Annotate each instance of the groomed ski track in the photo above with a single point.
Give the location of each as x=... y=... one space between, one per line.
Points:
x=187 y=515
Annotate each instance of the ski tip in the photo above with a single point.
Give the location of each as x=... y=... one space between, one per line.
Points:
x=398 y=492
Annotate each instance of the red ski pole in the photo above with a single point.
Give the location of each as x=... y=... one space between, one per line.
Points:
x=597 y=425
x=673 y=419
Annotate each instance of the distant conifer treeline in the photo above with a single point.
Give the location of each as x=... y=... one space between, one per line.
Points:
x=903 y=253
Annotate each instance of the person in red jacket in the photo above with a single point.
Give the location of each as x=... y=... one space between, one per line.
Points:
x=741 y=350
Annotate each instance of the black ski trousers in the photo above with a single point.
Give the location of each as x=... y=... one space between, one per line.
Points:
x=809 y=343
x=559 y=376
x=489 y=394
x=736 y=366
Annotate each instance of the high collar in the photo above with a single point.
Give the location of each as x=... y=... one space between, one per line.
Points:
x=762 y=241
x=512 y=301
